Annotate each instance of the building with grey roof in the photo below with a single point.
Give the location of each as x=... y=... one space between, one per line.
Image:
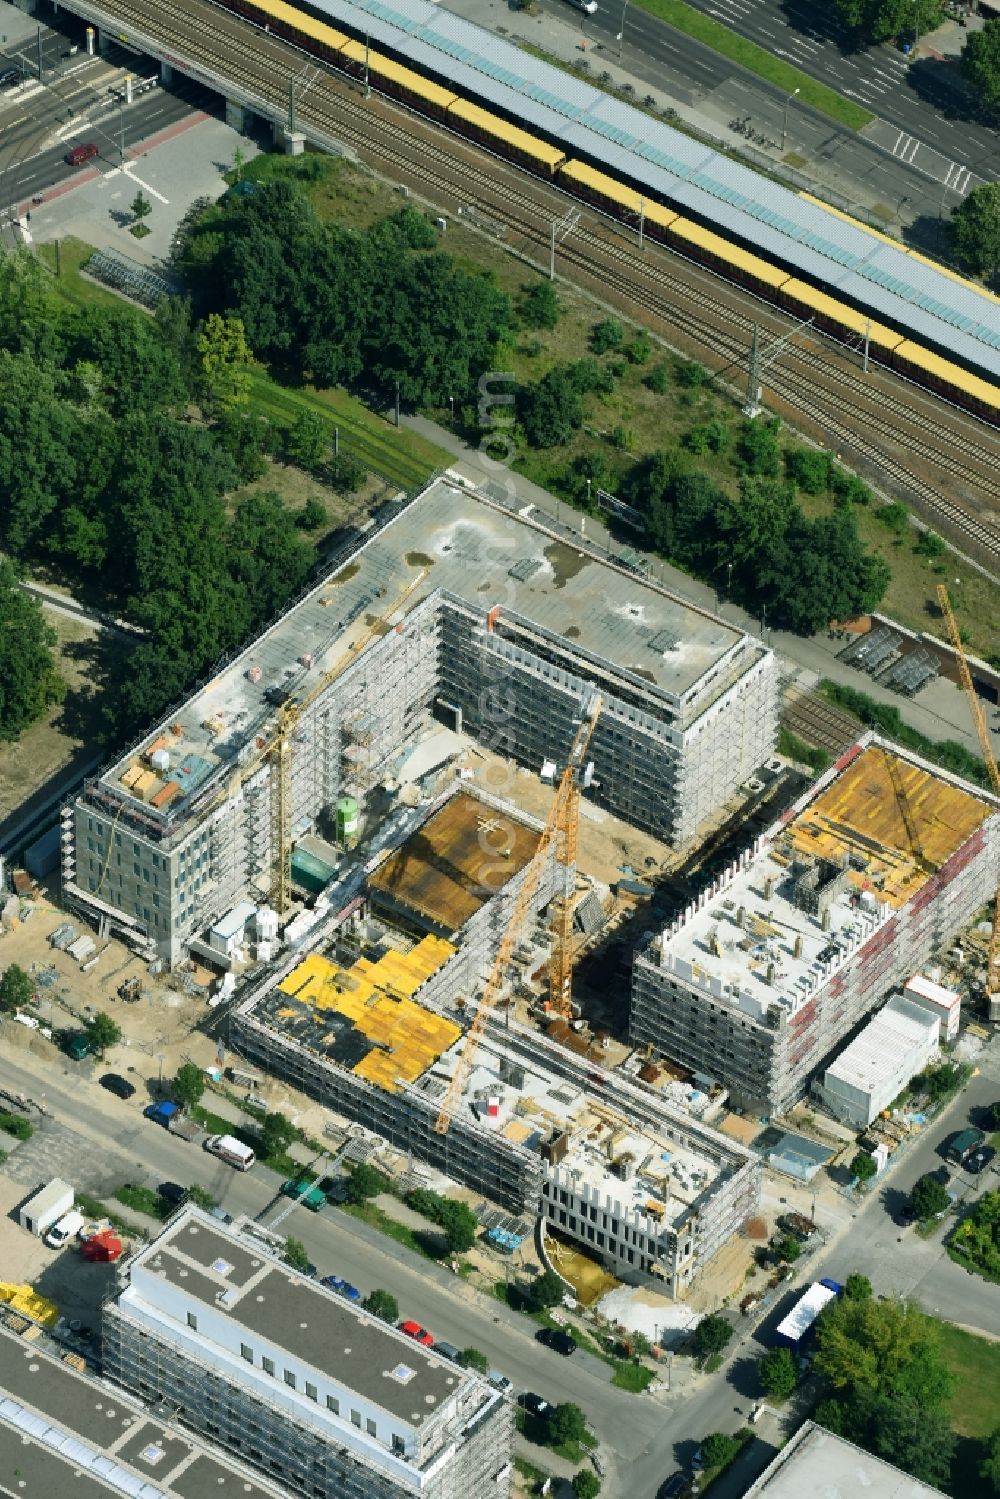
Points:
x=814 y=1461
x=64 y=1432
x=502 y=628
x=327 y=1400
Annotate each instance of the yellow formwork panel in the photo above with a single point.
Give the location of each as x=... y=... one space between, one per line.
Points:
x=27 y=1301
x=860 y=813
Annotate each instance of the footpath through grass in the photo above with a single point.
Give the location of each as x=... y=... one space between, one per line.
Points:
x=399 y=456
x=739 y=50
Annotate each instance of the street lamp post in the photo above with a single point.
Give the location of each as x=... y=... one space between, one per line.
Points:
x=621 y=34
x=784 y=127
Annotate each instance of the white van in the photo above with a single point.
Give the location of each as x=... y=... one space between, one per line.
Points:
x=231 y=1150
x=67 y=1228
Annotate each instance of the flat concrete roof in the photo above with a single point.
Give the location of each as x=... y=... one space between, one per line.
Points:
x=814 y=1461
x=448 y=538
x=875 y=833
x=459 y=859
x=63 y=1432
x=295 y=1314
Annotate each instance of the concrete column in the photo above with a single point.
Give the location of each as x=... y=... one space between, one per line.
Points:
x=91 y=37
x=295 y=142
x=166 y=73
x=129 y=82
x=102 y=42
x=236 y=116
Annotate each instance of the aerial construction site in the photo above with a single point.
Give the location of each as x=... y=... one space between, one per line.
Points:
x=370 y=824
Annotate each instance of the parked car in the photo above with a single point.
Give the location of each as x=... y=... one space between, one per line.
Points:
x=67 y=1228
x=559 y=1342
x=171 y=1192
x=341 y=1287
x=534 y=1405
x=499 y=1381
x=448 y=1350
x=9 y=76
x=76 y=1045
x=118 y=1085
x=417 y=1333
x=671 y=1487
x=979 y=1159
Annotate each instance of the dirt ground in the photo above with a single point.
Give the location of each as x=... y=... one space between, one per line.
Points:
x=607 y=844
x=49 y=744
x=62 y=1276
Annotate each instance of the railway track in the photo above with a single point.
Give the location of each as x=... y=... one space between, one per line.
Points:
x=815 y=386
x=820 y=723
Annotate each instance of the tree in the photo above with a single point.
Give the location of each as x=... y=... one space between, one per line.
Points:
x=858 y=1287
x=788 y=1249
x=691 y=374
x=460 y=1225
x=881 y=20
x=718 y=1449
x=586 y=1484
x=758 y=447
x=471 y=1358
x=16 y=989
x=102 y=1032
x=658 y=379
x=975 y=230
x=545 y=1290
x=277 y=1133
x=567 y=1423
x=809 y=469
x=239 y=162
x=297 y=1255
x=29 y=681
x=364 y=1183
x=140 y=207
x=382 y=1304
x=550 y=410
x=312 y=515
x=989 y=1468
x=607 y=335
x=225 y=363
x=981 y=63
x=928 y=1197
x=903 y=1431
x=201 y=1196
x=778 y=1372
x=711 y=1335
x=307 y=440
x=863 y=1166
x=344 y=473
x=189 y=1085
x=540 y=306
x=884 y=1347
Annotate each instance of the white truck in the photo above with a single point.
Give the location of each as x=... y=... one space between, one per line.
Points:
x=231 y=1150
x=46 y=1206
x=65 y=1230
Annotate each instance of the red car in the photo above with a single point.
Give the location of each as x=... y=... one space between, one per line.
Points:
x=417 y=1333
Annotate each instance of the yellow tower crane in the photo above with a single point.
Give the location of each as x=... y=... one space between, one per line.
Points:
x=993 y=962
x=564 y=808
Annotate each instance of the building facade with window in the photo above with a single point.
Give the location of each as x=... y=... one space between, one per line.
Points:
x=327 y=1400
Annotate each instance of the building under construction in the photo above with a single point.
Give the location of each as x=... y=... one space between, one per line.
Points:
x=759 y=982
x=459 y=606
x=327 y=1400
x=374 y=1021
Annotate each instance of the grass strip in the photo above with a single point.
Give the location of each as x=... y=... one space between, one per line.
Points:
x=71 y=286
x=747 y=54
x=400 y=457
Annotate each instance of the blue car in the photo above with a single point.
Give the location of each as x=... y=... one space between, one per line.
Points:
x=341 y=1287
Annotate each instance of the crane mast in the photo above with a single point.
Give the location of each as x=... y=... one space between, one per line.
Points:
x=993 y=961
x=560 y=818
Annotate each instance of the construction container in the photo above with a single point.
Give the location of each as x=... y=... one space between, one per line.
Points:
x=348 y=819
x=160 y=760
x=43 y=855
x=46 y=1206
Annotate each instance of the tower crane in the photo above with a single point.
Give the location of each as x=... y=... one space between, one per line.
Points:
x=993 y=961
x=565 y=807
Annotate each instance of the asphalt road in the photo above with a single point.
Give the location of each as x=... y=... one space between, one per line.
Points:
x=73 y=104
x=896 y=1259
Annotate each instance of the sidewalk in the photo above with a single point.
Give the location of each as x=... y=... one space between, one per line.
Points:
x=941 y=714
